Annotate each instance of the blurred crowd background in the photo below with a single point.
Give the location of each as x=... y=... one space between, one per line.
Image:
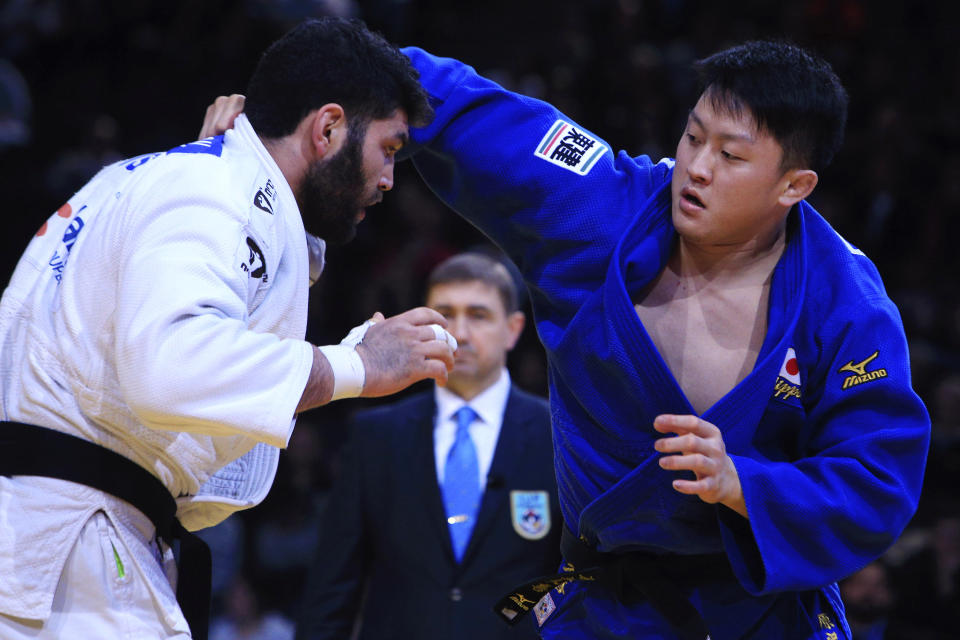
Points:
x=86 y=82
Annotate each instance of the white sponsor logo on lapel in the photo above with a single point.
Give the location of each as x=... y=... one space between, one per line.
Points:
x=530 y=513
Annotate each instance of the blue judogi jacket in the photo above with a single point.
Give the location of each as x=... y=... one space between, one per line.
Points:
x=827 y=435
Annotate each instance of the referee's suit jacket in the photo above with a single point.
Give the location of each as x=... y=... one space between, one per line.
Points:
x=384 y=544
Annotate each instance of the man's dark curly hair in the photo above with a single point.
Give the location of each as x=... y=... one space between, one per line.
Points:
x=332 y=60
x=792 y=94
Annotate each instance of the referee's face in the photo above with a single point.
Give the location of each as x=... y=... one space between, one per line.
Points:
x=485 y=332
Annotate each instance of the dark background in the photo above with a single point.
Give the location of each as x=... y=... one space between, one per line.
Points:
x=87 y=82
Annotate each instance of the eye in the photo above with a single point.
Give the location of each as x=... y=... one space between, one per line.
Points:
x=691 y=139
x=729 y=156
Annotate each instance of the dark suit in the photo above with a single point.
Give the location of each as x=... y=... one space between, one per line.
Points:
x=385 y=530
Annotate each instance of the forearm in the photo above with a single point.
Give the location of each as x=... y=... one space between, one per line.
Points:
x=319 y=389
x=380 y=357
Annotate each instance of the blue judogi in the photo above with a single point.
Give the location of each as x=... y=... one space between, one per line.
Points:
x=828 y=437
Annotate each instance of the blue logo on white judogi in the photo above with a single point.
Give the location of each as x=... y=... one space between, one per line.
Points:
x=530 y=513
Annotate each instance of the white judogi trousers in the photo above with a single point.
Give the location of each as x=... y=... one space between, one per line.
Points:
x=102 y=596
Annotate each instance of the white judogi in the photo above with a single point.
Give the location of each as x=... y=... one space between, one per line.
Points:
x=161 y=314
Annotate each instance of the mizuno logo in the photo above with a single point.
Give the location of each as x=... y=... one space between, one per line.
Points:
x=860 y=373
x=861 y=367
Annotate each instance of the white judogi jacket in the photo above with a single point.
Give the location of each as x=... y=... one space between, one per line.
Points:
x=159 y=313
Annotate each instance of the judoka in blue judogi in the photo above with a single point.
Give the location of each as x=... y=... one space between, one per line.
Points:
x=826 y=436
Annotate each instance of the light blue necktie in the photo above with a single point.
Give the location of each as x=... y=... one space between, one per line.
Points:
x=461 y=485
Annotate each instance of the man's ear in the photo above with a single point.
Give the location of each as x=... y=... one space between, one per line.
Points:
x=515 y=324
x=327 y=129
x=799 y=185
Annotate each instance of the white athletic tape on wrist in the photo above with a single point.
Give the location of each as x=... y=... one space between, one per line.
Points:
x=443 y=335
x=348 y=371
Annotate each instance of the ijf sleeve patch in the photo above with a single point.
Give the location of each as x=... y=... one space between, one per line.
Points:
x=567 y=146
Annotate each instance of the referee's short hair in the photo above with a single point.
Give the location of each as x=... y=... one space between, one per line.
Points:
x=472 y=266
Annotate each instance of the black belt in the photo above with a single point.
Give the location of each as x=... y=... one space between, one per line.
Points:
x=28 y=450
x=650 y=576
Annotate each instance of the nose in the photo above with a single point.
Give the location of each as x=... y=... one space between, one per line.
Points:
x=459 y=329
x=699 y=169
x=386 y=178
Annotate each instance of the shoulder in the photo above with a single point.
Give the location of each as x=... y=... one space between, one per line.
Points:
x=527 y=399
x=366 y=421
x=523 y=406
x=843 y=284
x=190 y=178
x=847 y=312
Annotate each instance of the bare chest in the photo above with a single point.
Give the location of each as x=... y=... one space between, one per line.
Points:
x=709 y=338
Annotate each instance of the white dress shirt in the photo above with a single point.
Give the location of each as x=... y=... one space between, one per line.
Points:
x=489 y=405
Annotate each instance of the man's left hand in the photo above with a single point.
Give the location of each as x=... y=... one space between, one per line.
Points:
x=701 y=450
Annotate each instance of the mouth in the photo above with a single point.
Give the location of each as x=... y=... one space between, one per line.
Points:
x=689 y=198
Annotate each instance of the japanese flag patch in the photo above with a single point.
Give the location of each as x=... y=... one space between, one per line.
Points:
x=790 y=370
x=567 y=146
x=787 y=386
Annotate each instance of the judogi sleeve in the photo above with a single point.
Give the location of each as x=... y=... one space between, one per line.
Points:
x=820 y=518
x=186 y=359
x=550 y=193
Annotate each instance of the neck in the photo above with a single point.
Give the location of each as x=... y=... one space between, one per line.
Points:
x=468 y=389
x=717 y=263
x=288 y=153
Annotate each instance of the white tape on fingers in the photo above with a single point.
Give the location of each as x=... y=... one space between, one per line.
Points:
x=349 y=373
x=443 y=335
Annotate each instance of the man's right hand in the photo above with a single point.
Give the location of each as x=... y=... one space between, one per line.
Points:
x=404 y=349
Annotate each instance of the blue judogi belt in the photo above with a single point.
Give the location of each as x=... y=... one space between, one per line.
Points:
x=28 y=450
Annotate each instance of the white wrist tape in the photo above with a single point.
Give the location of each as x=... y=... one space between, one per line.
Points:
x=348 y=371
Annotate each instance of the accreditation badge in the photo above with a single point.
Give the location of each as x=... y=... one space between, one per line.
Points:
x=530 y=513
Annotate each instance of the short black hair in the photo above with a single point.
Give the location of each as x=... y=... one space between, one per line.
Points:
x=472 y=266
x=332 y=60
x=791 y=93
